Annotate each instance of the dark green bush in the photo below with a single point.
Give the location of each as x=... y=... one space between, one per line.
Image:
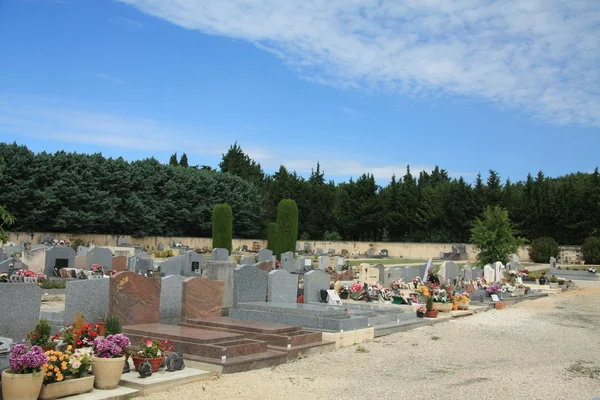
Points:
x=429 y=304
x=591 y=250
x=222 y=227
x=542 y=249
x=272 y=237
x=113 y=325
x=287 y=226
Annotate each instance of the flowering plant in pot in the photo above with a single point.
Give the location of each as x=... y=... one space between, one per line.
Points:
x=152 y=350
x=443 y=297
x=494 y=288
x=40 y=336
x=66 y=374
x=463 y=301
x=344 y=291
x=97 y=269
x=24 y=378
x=108 y=360
x=430 y=312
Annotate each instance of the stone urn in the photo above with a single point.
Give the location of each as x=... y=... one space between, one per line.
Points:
x=21 y=386
x=107 y=371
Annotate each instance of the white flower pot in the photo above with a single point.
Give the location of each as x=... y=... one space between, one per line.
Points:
x=107 y=371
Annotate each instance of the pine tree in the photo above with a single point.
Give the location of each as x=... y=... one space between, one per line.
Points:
x=287 y=226
x=222 y=227
x=173 y=160
x=184 y=160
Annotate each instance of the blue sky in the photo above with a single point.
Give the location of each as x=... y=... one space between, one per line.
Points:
x=360 y=86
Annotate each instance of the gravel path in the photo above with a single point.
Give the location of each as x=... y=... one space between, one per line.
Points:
x=542 y=349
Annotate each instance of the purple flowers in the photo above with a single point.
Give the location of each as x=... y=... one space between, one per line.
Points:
x=112 y=346
x=24 y=362
x=493 y=289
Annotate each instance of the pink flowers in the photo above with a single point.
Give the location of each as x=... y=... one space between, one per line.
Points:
x=22 y=361
x=357 y=287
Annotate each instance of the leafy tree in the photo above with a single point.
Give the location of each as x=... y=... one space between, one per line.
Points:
x=272 y=237
x=287 y=226
x=542 y=249
x=236 y=162
x=495 y=236
x=184 y=160
x=173 y=160
x=591 y=250
x=332 y=236
x=222 y=227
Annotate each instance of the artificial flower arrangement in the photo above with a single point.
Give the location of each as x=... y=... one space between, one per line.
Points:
x=421 y=312
x=417 y=282
x=65 y=365
x=97 y=269
x=396 y=285
x=24 y=360
x=463 y=297
x=154 y=348
x=344 y=289
x=30 y=274
x=507 y=289
x=494 y=288
x=356 y=287
x=433 y=277
x=591 y=270
x=440 y=295
x=482 y=283
x=79 y=334
x=111 y=347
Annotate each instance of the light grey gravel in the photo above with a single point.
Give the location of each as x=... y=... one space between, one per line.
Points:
x=542 y=349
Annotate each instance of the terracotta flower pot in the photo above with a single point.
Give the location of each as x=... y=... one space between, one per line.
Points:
x=431 y=314
x=154 y=362
x=21 y=386
x=101 y=326
x=67 y=387
x=107 y=371
x=48 y=348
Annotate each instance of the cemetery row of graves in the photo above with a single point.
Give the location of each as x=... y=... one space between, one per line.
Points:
x=125 y=317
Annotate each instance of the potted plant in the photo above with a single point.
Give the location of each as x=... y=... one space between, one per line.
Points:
x=23 y=380
x=463 y=301
x=152 y=350
x=421 y=312
x=108 y=360
x=113 y=325
x=101 y=326
x=430 y=312
x=442 y=298
x=66 y=374
x=40 y=336
x=554 y=282
x=344 y=291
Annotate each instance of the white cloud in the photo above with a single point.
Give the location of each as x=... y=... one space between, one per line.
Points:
x=537 y=55
x=107 y=77
x=350 y=111
x=127 y=22
x=47 y=119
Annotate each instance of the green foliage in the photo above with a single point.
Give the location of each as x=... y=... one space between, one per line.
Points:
x=40 y=336
x=553 y=279
x=591 y=250
x=236 y=162
x=162 y=254
x=542 y=249
x=304 y=236
x=429 y=303
x=173 y=160
x=332 y=236
x=495 y=236
x=53 y=284
x=76 y=242
x=184 y=160
x=222 y=228
x=113 y=325
x=287 y=226
x=272 y=237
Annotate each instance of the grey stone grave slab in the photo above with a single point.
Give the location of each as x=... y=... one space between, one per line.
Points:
x=21 y=309
x=489 y=274
x=99 y=255
x=467 y=274
x=515 y=266
x=265 y=255
x=552 y=262
x=247 y=261
x=282 y=287
x=160 y=247
x=381 y=269
x=427 y=266
x=249 y=284
x=451 y=270
x=323 y=262
x=170 y=299
x=221 y=271
x=320 y=251
x=314 y=281
x=477 y=272
x=139 y=264
x=410 y=273
x=289 y=263
x=122 y=241
x=393 y=274
x=88 y=296
x=220 y=255
x=499 y=270
x=306 y=264
x=338 y=263
x=59 y=257
x=82 y=250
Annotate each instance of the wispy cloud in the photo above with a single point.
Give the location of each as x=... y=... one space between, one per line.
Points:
x=107 y=77
x=539 y=55
x=350 y=111
x=127 y=22
x=49 y=119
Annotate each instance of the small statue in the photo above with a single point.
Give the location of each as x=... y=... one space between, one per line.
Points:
x=145 y=369
x=174 y=362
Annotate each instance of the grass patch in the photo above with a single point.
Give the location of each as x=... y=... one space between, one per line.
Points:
x=361 y=349
x=435 y=338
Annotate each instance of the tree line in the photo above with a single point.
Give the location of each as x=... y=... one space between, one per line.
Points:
x=82 y=193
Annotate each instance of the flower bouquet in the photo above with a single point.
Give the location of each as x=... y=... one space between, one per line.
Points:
x=357 y=292
x=97 y=269
x=108 y=360
x=591 y=270
x=494 y=288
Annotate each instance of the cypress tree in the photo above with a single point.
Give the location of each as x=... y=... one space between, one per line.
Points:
x=272 y=237
x=222 y=227
x=287 y=226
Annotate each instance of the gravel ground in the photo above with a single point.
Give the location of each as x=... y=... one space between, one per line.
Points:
x=542 y=349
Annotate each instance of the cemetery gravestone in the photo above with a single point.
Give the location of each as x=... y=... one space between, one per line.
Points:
x=134 y=298
x=467 y=273
x=249 y=284
x=119 y=263
x=338 y=263
x=410 y=274
x=476 y=272
x=323 y=262
x=320 y=251
x=331 y=251
x=220 y=255
x=489 y=274
x=221 y=271
x=290 y=264
x=170 y=299
x=21 y=309
x=282 y=287
x=451 y=270
x=264 y=255
x=442 y=272
x=247 y=261
x=381 y=272
x=266 y=266
x=314 y=282
x=160 y=247
x=201 y=298
x=499 y=270
x=552 y=262
x=122 y=241
x=59 y=257
x=89 y=297
x=99 y=255
x=368 y=274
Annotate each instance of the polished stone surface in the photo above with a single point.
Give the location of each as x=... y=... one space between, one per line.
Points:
x=176 y=332
x=282 y=287
x=134 y=299
x=241 y=325
x=119 y=263
x=221 y=271
x=266 y=266
x=170 y=299
x=249 y=284
x=314 y=281
x=98 y=255
x=89 y=297
x=21 y=304
x=201 y=297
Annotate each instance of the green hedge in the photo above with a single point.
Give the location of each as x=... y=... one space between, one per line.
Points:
x=287 y=226
x=222 y=227
x=272 y=237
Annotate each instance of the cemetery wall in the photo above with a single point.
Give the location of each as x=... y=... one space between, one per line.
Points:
x=404 y=250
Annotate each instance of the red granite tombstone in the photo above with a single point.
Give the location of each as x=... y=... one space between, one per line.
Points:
x=119 y=263
x=201 y=298
x=469 y=288
x=135 y=299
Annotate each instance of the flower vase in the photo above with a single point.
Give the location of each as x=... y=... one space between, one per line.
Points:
x=107 y=371
x=67 y=387
x=21 y=386
x=154 y=362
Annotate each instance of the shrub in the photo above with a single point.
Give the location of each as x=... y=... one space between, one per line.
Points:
x=40 y=336
x=113 y=325
x=591 y=250
x=76 y=242
x=272 y=237
x=287 y=226
x=163 y=254
x=332 y=237
x=429 y=304
x=53 y=284
x=222 y=227
x=542 y=249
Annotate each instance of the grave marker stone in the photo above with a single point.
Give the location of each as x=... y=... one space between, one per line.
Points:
x=247 y=261
x=21 y=309
x=381 y=272
x=451 y=270
x=249 y=284
x=266 y=266
x=314 y=282
x=477 y=272
x=489 y=274
x=134 y=299
x=552 y=262
x=89 y=297
x=323 y=262
x=499 y=270
x=368 y=274
x=282 y=286
x=59 y=257
x=201 y=298
x=220 y=255
x=466 y=273
x=221 y=271
x=338 y=263
x=333 y=298
x=99 y=255
x=264 y=255
x=170 y=299
x=119 y=263
x=289 y=263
